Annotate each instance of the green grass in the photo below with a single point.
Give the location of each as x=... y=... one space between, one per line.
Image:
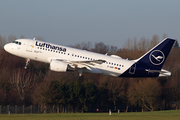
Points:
x=160 y=115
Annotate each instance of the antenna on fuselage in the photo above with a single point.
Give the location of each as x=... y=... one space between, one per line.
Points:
x=34 y=38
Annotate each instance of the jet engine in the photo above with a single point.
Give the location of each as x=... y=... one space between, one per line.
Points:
x=58 y=66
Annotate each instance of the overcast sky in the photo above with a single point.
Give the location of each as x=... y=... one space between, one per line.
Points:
x=68 y=22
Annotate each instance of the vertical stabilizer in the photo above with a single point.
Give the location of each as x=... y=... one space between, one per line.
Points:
x=150 y=64
x=157 y=56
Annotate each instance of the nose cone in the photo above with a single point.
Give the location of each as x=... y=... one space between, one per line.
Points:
x=6 y=47
x=9 y=48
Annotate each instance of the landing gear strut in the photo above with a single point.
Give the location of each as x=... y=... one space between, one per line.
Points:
x=27 y=62
x=80 y=77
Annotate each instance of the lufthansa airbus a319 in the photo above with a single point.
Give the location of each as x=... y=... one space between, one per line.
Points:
x=62 y=59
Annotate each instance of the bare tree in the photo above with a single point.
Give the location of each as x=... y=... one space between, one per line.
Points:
x=42 y=93
x=154 y=41
x=128 y=44
x=113 y=50
x=165 y=35
x=22 y=80
x=39 y=38
x=2 y=41
x=84 y=46
x=101 y=48
x=145 y=92
x=143 y=43
x=11 y=38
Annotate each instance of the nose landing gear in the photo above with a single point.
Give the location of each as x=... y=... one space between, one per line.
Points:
x=27 y=62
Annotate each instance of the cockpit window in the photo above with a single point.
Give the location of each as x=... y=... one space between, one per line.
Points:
x=17 y=42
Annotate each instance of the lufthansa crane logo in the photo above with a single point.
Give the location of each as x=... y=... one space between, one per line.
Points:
x=156 y=57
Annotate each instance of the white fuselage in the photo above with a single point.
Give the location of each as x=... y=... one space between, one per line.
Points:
x=45 y=52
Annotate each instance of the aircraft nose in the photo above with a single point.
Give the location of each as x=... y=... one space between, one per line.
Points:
x=8 y=47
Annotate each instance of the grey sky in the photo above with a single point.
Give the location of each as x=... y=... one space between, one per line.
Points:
x=68 y=22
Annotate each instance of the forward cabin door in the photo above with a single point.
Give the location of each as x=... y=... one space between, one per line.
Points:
x=30 y=46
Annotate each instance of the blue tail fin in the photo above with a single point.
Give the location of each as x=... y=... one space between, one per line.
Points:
x=156 y=56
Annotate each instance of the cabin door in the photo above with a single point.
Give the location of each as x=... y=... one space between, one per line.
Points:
x=132 y=69
x=30 y=46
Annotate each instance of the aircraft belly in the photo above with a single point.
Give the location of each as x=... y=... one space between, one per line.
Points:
x=111 y=73
x=93 y=70
x=111 y=70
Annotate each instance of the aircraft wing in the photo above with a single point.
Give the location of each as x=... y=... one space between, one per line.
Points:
x=92 y=62
x=83 y=64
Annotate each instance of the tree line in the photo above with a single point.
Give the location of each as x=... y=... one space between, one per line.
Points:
x=39 y=86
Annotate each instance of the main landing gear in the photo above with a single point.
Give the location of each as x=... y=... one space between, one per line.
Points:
x=27 y=62
x=80 y=77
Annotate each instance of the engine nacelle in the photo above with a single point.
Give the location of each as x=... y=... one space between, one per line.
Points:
x=58 y=66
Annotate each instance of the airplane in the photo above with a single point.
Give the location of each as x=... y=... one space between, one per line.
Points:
x=62 y=59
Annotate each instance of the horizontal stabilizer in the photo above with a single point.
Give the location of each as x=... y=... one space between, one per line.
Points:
x=162 y=72
x=155 y=71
